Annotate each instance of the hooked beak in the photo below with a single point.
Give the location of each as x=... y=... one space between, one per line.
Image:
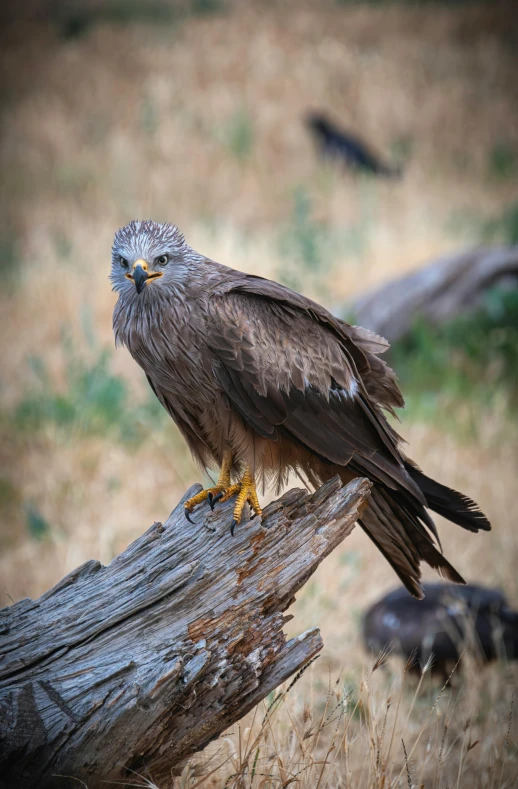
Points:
x=140 y=275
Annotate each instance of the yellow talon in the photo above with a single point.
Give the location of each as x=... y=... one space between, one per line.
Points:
x=190 y=504
x=227 y=493
x=244 y=489
x=219 y=488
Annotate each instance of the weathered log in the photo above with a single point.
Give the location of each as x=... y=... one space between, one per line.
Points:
x=436 y=293
x=137 y=665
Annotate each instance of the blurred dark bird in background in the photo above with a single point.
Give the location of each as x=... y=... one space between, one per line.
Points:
x=450 y=619
x=342 y=146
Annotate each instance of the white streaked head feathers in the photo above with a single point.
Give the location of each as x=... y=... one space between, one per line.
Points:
x=147 y=239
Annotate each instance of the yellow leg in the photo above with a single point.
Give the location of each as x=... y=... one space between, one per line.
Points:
x=246 y=492
x=219 y=488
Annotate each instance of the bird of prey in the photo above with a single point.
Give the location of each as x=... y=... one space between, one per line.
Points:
x=262 y=381
x=339 y=145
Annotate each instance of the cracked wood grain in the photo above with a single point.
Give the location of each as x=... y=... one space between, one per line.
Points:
x=137 y=665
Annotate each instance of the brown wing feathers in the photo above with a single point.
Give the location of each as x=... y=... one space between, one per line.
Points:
x=293 y=371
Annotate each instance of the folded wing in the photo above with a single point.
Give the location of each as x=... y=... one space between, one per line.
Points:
x=291 y=369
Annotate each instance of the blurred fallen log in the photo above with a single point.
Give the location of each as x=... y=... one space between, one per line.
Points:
x=438 y=292
x=126 y=670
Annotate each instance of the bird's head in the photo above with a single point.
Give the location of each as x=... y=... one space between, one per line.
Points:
x=148 y=255
x=318 y=122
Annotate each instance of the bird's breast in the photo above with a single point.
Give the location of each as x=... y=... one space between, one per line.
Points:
x=172 y=357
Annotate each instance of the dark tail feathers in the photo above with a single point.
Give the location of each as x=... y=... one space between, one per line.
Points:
x=450 y=503
x=403 y=540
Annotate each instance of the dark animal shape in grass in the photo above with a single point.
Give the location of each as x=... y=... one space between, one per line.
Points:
x=448 y=620
x=341 y=146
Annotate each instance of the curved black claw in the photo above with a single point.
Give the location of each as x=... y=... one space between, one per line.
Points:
x=210 y=499
x=213 y=500
x=188 y=516
x=233 y=526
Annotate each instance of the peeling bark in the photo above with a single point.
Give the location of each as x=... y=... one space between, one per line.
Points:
x=137 y=665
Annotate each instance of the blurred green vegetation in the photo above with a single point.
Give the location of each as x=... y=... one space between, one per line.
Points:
x=76 y=20
x=471 y=361
x=73 y=21
x=37 y=525
x=92 y=400
x=499 y=228
x=304 y=243
x=503 y=227
x=8 y=258
x=237 y=134
x=309 y=247
x=206 y=6
x=503 y=162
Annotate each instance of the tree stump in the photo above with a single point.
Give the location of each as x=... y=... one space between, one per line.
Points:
x=137 y=665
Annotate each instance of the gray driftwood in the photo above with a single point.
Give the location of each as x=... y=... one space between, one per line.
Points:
x=137 y=665
x=437 y=292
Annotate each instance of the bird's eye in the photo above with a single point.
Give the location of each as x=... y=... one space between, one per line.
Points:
x=161 y=260
x=123 y=262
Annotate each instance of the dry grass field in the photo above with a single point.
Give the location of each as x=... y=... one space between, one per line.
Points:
x=197 y=119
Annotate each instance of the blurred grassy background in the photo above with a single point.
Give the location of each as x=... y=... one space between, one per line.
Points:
x=192 y=112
